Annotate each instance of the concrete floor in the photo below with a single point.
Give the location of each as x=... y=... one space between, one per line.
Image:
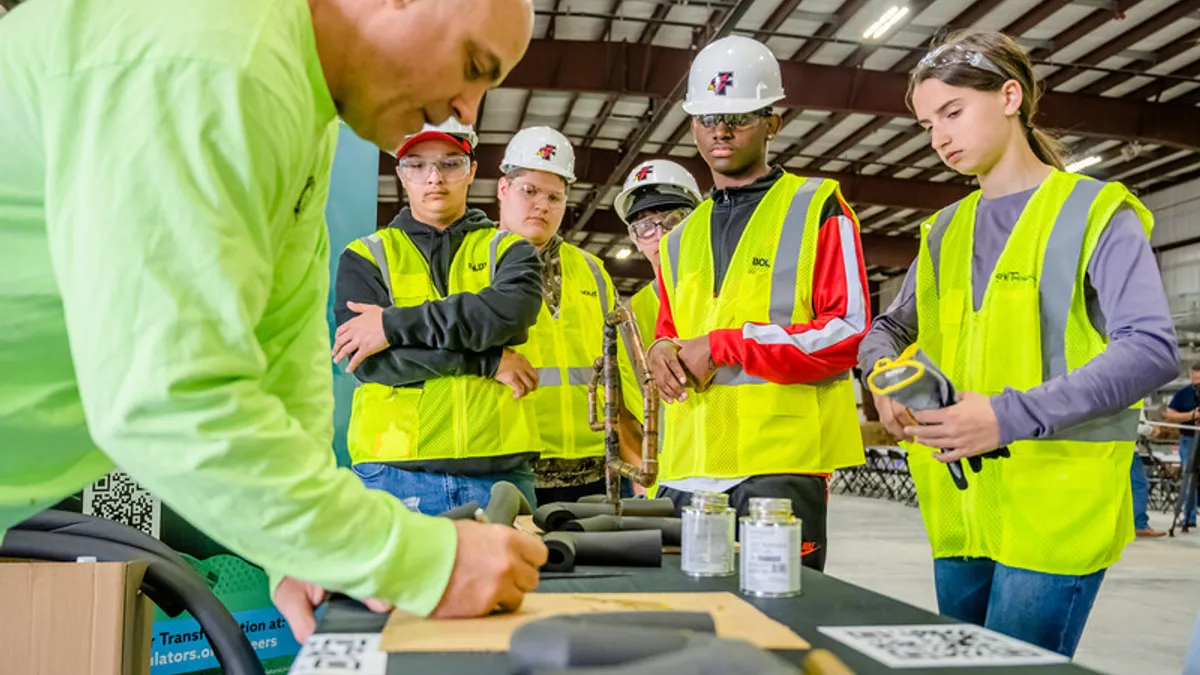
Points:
x=1140 y=624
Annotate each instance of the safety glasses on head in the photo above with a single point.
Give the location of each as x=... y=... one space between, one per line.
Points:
x=643 y=228
x=418 y=168
x=951 y=54
x=733 y=120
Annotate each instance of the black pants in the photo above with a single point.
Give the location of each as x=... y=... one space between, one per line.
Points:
x=810 y=503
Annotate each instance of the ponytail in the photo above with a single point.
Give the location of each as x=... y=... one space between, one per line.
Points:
x=1047 y=148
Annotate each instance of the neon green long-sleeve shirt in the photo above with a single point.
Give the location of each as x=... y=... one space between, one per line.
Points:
x=164 y=166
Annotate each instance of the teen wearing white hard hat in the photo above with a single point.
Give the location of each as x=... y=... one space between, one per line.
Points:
x=577 y=293
x=764 y=305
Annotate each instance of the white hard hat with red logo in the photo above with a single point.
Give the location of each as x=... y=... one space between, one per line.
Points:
x=733 y=75
x=540 y=149
x=462 y=135
x=658 y=183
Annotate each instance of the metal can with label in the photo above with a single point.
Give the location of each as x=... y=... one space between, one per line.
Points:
x=707 y=540
x=770 y=539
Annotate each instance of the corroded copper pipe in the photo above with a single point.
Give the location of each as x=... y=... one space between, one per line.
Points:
x=606 y=372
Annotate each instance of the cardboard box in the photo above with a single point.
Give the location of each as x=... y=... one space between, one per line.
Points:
x=78 y=618
x=179 y=645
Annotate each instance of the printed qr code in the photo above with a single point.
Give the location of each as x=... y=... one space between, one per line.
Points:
x=341 y=654
x=931 y=646
x=120 y=498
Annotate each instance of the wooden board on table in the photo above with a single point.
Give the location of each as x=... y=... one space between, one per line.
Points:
x=734 y=618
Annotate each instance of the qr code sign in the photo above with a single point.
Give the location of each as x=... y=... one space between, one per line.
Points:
x=341 y=654
x=118 y=497
x=932 y=646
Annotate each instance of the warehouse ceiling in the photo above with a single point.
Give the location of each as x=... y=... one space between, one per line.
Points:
x=1122 y=79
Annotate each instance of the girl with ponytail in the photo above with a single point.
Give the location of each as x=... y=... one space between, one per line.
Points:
x=1038 y=297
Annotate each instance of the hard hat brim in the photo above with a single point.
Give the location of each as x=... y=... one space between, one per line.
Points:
x=423 y=136
x=716 y=106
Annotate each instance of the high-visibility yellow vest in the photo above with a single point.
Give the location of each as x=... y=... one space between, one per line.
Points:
x=449 y=417
x=563 y=348
x=644 y=304
x=744 y=425
x=1060 y=504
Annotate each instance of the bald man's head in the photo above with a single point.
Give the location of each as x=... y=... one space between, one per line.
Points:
x=394 y=65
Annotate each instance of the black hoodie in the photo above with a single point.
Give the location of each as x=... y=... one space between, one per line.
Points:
x=731 y=212
x=462 y=334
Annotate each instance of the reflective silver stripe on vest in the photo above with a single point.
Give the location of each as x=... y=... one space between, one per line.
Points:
x=552 y=377
x=934 y=240
x=733 y=376
x=374 y=244
x=579 y=375
x=674 y=241
x=1121 y=426
x=493 y=250
x=1064 y=249
x=787 y=255
x=601 y=288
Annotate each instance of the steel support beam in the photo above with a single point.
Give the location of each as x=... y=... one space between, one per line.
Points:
x=656 y=71
x=595 y=165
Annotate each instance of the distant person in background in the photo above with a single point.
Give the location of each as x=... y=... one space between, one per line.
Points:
x=1141 y=486
x=1184 y=408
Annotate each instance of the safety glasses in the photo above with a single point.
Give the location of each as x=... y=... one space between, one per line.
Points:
x=418 y=168
x=554 y=199
x=644 y=228
x=733 y=120
x=954 y=55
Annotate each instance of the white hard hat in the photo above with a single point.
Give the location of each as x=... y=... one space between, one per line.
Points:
x=451 y=130
x=733 y=75
x=658 y=182
x=540 y=149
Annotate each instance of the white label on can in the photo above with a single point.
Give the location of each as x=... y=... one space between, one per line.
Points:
x=707 y=543
x=771 y=558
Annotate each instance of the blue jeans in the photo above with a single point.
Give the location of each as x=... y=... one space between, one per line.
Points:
x=1191 y=663
x=1141 y=493
x=1048 y=610
x=1186 y=445
x=439 y=492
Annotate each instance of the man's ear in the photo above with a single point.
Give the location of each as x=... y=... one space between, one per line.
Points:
x=774 y=123
x=501 y=187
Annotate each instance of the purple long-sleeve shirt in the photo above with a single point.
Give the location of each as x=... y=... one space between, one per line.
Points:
x=1125 y=301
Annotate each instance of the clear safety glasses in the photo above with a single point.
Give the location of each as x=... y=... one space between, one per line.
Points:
x=555 y=199
x=644 y=228
x=955 y=54
x=418 y=168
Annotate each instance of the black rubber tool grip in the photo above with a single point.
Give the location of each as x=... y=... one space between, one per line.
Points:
x=671 y=528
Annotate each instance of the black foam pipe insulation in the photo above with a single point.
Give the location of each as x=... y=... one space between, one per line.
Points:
x=671 y=528
x=636 y=643
x=506 y=503
x=551 y=517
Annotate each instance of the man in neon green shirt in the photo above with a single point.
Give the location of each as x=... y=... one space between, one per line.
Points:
x=163 y=271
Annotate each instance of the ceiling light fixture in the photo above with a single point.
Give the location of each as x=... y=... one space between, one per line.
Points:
x=623 y=253
x=885 y=23
x=1080 y=165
